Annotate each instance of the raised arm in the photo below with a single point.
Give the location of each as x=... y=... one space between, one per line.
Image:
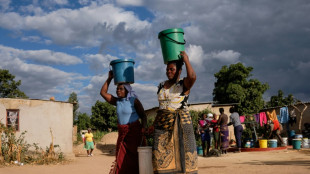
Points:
x=104 y=90
x=190 y=79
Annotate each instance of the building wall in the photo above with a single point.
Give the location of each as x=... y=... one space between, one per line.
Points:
x=38 y=117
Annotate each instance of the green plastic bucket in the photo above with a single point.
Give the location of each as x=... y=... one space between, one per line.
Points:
x=296 y=143
x=123 y=71
x=172 y=42
x=199 y=150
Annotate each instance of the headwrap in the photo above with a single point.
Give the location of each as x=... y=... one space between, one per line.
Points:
x=131 y=93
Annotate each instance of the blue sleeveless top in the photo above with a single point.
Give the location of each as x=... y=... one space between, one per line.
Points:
x=125 y=110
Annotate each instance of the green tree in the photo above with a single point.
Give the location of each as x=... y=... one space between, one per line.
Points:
x=83 y=121
x=8 y=86
x=280 y=100
x=73 y=99
x=103 y=116
x=234 y=86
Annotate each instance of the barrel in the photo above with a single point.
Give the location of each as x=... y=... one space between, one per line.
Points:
x=123 y=71
x=172 y=43
x=199 y=150
x=305 y=143
x=296 y=143
x=145 y=160
x=262 y=143
x=284 y=139
x=272 y=143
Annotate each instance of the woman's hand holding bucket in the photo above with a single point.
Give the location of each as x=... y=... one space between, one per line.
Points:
x=110 y=75
x=184 y=56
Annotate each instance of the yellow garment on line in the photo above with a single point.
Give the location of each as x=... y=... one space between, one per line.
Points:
x=272 y=116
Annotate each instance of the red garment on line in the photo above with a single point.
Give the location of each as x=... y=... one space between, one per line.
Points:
x=129 y=138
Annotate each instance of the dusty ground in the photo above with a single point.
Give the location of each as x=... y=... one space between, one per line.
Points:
x=280 y=161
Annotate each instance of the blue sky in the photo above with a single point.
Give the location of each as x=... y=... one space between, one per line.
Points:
x=56 y=47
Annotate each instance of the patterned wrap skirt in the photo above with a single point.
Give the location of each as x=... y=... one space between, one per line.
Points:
x=224 y=137
x=174 y=148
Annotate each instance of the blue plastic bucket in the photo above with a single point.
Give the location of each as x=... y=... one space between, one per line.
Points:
x=272 y=143
x=123 y=71
x=199 y=150
x=296 y=143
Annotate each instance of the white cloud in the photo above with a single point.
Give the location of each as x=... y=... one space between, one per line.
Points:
x=39 y=81
x=130 y=2
x=99 y=62
x=226 y=56
x=4 y=5
x=86 y=26
x=42 y=56
x=195 y=54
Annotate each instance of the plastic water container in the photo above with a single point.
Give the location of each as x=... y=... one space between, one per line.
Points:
x=123 y=71
x=145 y=160
x=305 y=143
x=284 y=139
x=199 y=150
x=298 y=136
x=262 y=143
x=172 y=43
x=272 y=143
x=296 y=143
x=247 y=144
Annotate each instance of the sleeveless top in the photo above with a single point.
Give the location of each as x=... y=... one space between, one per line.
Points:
x=172 y=98
x=125 y=110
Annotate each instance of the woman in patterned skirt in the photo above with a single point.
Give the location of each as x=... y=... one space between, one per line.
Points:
x=174 y=148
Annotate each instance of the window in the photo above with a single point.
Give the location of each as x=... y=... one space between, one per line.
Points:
x=12 y=118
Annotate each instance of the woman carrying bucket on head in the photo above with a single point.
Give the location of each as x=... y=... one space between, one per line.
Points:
x=129 y=109
x=174 y=148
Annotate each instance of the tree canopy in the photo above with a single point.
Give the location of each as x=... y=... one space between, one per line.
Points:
x=280 y=100
x=103 y=116
x=73 y=99
x=9 y=87
x=83 y=121
x=234 y=86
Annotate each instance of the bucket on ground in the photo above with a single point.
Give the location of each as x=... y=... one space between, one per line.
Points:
x=305 y=143
x=296 y=143
x=262 y=143
x=298 y=136
x=199 y=150
x=145 y=160
x=284 y=139
x=123 y=71
x=272 y=143
x=247 y=144
x=172 y=42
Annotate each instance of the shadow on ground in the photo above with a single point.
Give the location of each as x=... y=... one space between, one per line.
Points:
x=106 y=149
x=286 y=163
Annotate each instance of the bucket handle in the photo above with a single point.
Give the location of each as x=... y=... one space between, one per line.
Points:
x=181 y=43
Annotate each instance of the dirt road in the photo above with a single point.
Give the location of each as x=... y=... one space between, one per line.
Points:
x=281 y=161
